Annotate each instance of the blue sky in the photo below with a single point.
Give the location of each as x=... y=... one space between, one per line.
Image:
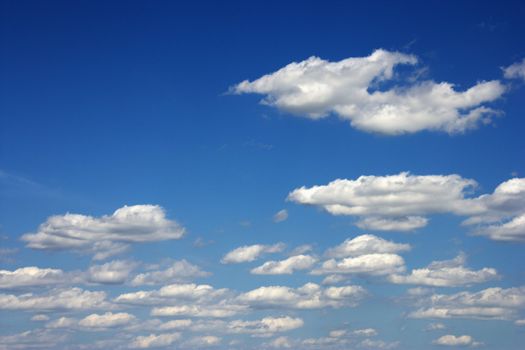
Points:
x=304 y=175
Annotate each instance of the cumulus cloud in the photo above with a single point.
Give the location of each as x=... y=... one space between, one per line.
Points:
x=490 y=303
x=203 y=341
x=114 y=272
x=154 y=340
x=106 y=320
x=33 y=339
x=359 y=89
x=452 y=340
x=29 y=277
x=378 y=344
x=280 y=216
x=178 y=271
x=401 y=202
x=106 y=235
x=449 y=273
x=56 y=299
x=280 y=342
x=365 y=244
x=250 y=253
x=370 y=264
x=286 y=266
x=265 y=327
x=515 y=70
x=309 y=296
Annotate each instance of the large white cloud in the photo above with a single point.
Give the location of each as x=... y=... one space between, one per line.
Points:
x=30 y=276
x=400 y=202
x=360 y=90
x=369 y=264
x=250 y=253
x=490 y=303
x=309 y=296
x=106 y=320
x=449 y=273
x=105 y=235
x=286 y=266
x=365 y=244
x=56 y=299
x=266 y=326
x=177 y=271
x=113 y=272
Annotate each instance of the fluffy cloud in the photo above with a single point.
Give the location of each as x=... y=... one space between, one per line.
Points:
x=34 y=339
x=355 y=89
x=266 y=326
x=370 y=264
x=106 y=320
x=57 y=299
x=400 y=202
x=365 y=244
x=178 y=271
x=250 y=253
x=113 y=272
x=449 y=273
x=452 y=340
x=515 y=70
x=154 y=340
x=202 y=341
x=106 y=235
x=29 y=277
x=286 y=266
x=309 y=296
x=378 y=344
x=490 y=303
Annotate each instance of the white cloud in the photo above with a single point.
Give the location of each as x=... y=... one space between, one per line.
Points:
x=408 y=223
x=203 y=341
x=176 y=324
x=40 y=318
x=105 y=235
x=435 y=326
x=280 y=216
x=281 y=342
x=370 y=264
x=114 y=272
x=29 y=277
x=520 y=322
x=353 y=89
x=515 y=70
x=378 y=344
x=286 y=266
x=365 y=244
x=34 y=339
x=490 y=303
x=154 y=340
x=309 y=296
x=266 y=326
x=400 y=202
x=56 y=299
x=106 y=320
x=178 y=271
x=250 y=253
x=449 y=273
x=365 y=332
x=452 y=340
x=62 y=322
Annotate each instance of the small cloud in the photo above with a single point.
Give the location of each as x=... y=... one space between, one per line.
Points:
x=280 y=216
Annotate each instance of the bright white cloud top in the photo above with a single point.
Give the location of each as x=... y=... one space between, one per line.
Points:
x=106 y=235
x=355 y=89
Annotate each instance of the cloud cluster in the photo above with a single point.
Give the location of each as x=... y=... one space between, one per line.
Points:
x=490 y=303
x=401 y=202
x=178 y=271
x=448 y=273
x=363 y=90
x=286 y=266
x=29 y=277
x=106 y=235
x=265 y=327
x=515 y=70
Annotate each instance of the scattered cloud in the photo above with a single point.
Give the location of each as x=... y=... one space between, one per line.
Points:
x=30 y=276
x=251 y=253
x=178 y=271
x=515 y=70
x=359 y=89
x=280 y=216
x=286 y=266
x=114 y=272
x=448 y=273
x=265 y=327
x=365 y=244
x=106 y=235
x=154 y=340
x=452 y=340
